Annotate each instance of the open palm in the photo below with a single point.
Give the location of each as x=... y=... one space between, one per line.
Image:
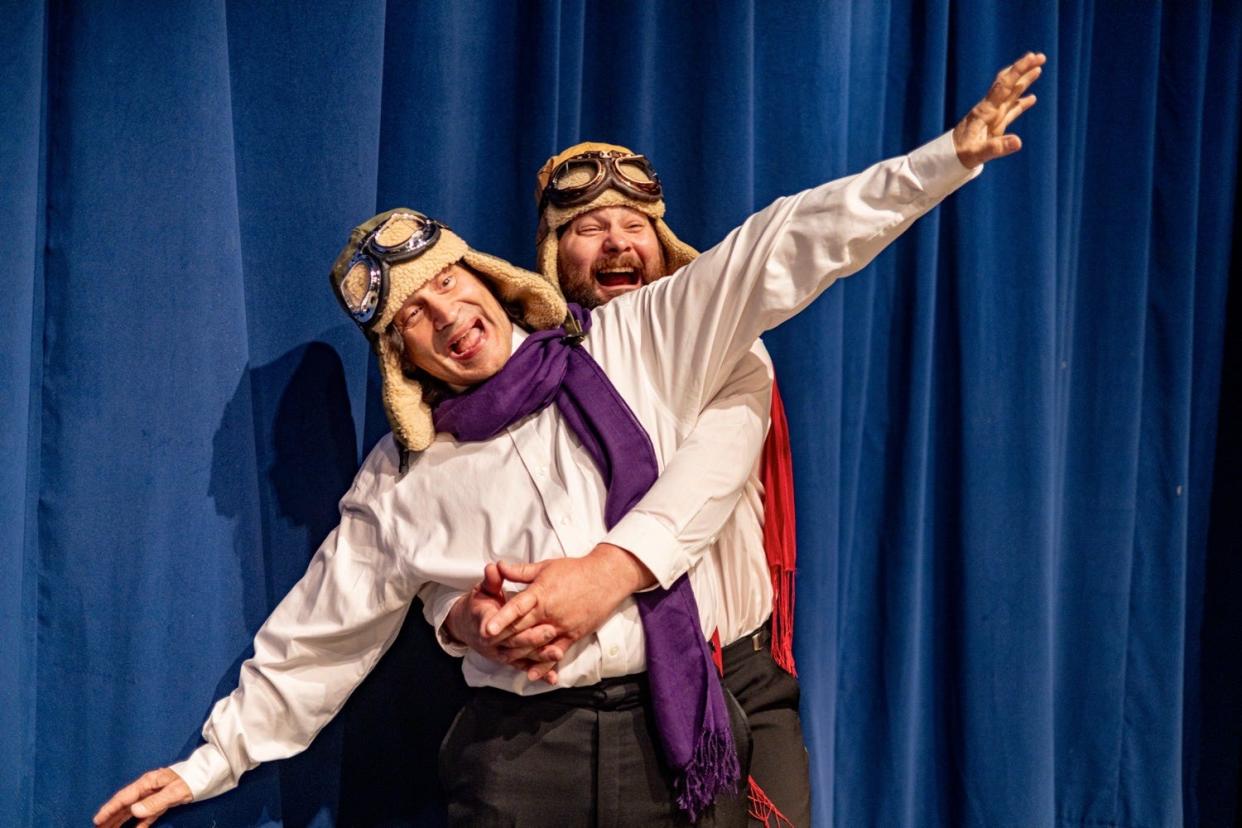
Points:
x=980 y=136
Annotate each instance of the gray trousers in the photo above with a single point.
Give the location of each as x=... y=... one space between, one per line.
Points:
x=589 y=756
x=770 y=696
x=578 y=757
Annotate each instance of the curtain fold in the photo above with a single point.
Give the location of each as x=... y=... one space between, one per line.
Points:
x=1014 y=434
x=22 y=169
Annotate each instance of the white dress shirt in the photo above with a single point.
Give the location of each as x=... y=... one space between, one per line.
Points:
x=671 y=350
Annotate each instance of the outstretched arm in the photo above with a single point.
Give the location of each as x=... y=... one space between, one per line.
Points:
x=783 y=257
x=313 y=650
x=769 y=269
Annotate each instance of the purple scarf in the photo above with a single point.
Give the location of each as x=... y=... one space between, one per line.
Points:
x=688 y=703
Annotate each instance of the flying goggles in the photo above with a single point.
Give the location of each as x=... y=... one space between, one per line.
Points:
x=579 y=179
x=360 y=274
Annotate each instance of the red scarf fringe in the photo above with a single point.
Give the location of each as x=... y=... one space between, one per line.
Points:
x=763 y=809
x=779 y=532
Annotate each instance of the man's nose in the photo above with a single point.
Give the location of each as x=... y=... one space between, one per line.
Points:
x=615 y=242
x=441 y=310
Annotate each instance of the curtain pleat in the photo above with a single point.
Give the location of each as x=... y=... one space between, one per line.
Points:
x=22 y=169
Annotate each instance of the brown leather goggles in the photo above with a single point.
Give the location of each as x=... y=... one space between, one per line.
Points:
x=360 y=274
x=579 y=179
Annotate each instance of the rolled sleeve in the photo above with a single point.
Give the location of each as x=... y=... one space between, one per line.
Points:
x=776 y=263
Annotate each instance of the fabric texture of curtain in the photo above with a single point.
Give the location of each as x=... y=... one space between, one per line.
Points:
x=1016 y=459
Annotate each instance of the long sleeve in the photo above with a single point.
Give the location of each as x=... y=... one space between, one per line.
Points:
x=674 y=523
x=310 y=654
x=438 y=600
x=696 y=324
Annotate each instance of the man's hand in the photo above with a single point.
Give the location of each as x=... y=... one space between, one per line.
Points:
x=980 y=136
x=524 y=651
x=573 y=595
x=145 y=799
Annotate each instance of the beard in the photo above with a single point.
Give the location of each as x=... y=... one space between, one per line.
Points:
x=587 y=286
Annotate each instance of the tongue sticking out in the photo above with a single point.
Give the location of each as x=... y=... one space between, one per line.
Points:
x=468 y=341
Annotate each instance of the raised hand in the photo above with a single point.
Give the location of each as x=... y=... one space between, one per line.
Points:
x=980 y=136
x=145 y=799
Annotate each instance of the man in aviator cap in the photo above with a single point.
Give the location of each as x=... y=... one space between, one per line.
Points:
x=551 y=427
x=602 y=234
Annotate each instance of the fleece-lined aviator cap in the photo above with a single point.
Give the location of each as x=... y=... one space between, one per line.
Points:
x=354 y=278
x=552 y=217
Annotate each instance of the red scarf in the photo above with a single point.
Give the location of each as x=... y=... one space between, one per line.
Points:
x=779 y=531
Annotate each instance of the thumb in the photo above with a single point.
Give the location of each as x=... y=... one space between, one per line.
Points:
x=1000 y=146
x=521 y=573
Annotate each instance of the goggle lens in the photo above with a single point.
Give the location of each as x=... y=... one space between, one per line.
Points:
x=400 y=237
x=576 y=173
x=580 y=179
x=358 y=289
x=637 y=171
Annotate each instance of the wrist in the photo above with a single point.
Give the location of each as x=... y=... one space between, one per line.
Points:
x=452 y=621
x=623 y=569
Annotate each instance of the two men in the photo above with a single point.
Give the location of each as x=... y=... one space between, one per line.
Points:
x=602 y=235
x=553 y=447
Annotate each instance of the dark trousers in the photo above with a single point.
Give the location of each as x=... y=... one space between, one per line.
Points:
x=578 y=757
x=769 y=696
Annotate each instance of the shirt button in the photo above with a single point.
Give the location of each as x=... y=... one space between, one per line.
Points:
x=564 y=520
x=613 y=650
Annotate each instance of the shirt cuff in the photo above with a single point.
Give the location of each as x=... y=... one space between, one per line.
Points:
x=441 y=604
x=653 y=544
x=939 y=169
x=206 y=772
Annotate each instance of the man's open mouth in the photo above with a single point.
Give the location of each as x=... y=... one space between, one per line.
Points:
x=614 y=277
x=466 y=343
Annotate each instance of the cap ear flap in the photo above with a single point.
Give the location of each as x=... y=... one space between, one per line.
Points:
x=408 y=414
x=677 y=254
x=547 y=259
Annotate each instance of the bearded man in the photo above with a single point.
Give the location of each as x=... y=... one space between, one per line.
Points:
x=551 y=428
x=601 y=235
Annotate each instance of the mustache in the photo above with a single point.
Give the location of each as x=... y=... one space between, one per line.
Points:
x=629 y=260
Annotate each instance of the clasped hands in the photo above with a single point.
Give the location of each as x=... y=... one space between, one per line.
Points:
x=565 y=600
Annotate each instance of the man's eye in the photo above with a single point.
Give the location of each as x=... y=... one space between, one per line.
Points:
x=587 y=231
x=447 y=281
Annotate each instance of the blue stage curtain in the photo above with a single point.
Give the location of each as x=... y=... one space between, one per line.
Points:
x=1016 y=467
